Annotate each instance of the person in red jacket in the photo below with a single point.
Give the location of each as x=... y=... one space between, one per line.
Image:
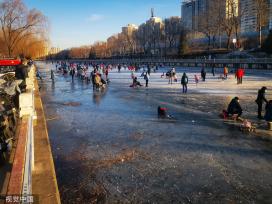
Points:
x=239 y=75
x=242 y=75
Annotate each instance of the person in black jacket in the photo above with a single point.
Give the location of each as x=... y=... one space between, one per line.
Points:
x=260 y=99
x=21 y=72
x=268 y=111
x=93 y=73
x=235 y=107
x=203 y=74
x=184 y=82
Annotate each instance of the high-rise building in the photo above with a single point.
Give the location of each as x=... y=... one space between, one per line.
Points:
x=188 y=13
x=232 y=8
x=249 y=13
x=270 y=15
x=193 y=10
x=129 y=29
x=54 y=50
x=249 y=16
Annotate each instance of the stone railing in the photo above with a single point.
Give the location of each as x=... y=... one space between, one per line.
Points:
x=20 y=183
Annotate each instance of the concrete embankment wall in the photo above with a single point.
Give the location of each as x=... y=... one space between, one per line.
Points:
x=44 y=177
x=33 y=171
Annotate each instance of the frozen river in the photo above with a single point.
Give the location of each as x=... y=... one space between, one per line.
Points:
x=111 y=148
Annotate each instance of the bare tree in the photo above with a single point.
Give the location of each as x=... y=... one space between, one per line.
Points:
x=130 y=41
x=207 y=25
x=141 y=39
x=262 y=12
x=172 y=31
x=17 y=23
x=226 y=16
x=154 y=36
x=82 y=52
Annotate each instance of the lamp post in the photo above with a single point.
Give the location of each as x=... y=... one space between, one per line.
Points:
x=234 y=41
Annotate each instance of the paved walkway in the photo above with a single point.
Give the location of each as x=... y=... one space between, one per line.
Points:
x=44 y=177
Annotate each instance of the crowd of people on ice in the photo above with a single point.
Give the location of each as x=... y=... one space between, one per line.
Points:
x=88 y=71
x=98 y=75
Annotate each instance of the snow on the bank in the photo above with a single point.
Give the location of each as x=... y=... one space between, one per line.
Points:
x=213 y=85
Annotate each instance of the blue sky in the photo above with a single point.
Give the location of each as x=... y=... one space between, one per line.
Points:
x=82 y=22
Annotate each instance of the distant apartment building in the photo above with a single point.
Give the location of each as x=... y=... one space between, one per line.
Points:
x=187 y=14
x=232 y=8
x=192 y=10
x=249 y=18
x=129 y=29
x=270 y=15
x=54 y=50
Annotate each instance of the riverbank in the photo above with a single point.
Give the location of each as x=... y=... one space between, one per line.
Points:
x=29 y=173
x=44 y=177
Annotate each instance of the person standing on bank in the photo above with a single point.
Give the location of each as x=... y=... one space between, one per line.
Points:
x=260 y=99
x=184 y=82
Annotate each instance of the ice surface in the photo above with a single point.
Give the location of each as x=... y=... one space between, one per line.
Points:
x=111 y=148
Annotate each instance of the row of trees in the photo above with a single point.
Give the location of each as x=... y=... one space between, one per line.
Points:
x=153 y=38
x=22 y=31
x=218 y=23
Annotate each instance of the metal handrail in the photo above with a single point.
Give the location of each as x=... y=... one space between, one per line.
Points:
x=29 y=161
x=164 y=60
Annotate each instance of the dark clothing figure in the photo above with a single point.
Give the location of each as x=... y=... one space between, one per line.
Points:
x=107 y=74
x=103 y=81
x=203 y=74
x=268 y=112
x=93 y=78
x=260 y=99
x=170 y=75
x=72 y=73
x=52 y=76
x=119 y=68
x=21 y=73
x=161 y=112
x=234 y=107
x=38 y=74
x=136 y=83
x=146 y=78
x=184 y=82
x=148 y=70
x=213 y=70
